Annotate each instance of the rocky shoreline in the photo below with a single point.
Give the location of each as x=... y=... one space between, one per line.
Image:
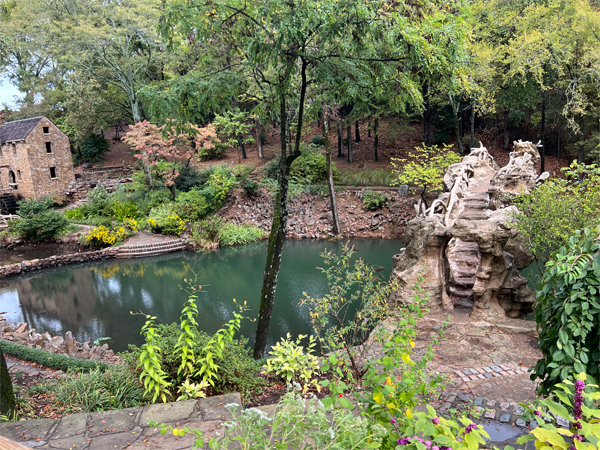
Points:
x=67 y=345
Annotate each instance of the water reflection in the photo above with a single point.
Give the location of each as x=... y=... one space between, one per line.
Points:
x=94 y=300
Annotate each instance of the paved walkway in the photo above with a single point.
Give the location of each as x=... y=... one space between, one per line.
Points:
x=124 y=429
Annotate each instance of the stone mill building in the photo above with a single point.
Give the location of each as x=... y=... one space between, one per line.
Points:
x=35 y=158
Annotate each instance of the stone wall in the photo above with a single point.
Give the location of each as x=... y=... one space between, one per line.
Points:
x=11 y=270
x=78 y=190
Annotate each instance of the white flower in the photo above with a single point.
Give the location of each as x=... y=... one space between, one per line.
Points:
x=331 y=433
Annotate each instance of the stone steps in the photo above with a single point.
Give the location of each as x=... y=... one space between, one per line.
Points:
x=150 y=249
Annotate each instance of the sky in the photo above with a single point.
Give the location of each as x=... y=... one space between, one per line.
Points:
x=7 y=92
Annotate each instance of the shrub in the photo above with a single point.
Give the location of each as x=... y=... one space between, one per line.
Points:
x=367 y=177
x=250 y=187
x=317 y=141
x=221 y=181
x=373 y=200
x=77 y=213
x=312 y=166
x=193 y=205
x=93 y=147
x=98 y=201
x=290 y=363
x=271 y=169
x=39 y=222
x=211 y=228
x=114 y=388
x=231 y=234
x=218 y=151
x=101 y=236
x=52 y=360
x=154 y=199
x=163 y=219
x=190 y=178
x=122 y=209
x=568 y=312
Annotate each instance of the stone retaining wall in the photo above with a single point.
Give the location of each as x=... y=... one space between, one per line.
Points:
x=78 y=190
x=11 y=270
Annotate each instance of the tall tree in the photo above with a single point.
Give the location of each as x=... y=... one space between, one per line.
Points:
x=7 y=395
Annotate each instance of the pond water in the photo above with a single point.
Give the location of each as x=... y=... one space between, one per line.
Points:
x=94 y=300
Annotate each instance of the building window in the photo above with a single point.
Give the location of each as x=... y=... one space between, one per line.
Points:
x=12 y=181
x=52 y=172
x=14 y=149
x=46 y=130
x=48 y=147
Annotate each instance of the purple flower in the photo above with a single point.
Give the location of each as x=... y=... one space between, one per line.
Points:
x=403 y=441
x=420 y=440
x=538 y=413
x=435 y=447
x=436 y=421
x=470 y=428
x=579 y=386
x=428 y=444
x=578 y=437
x=576 y=425
x=392 y=420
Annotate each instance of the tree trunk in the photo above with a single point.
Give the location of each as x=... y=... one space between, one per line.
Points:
x=279 y=225
x=426 y=116
x=349 y=133
x=258 y=141
x=376 y=138
x=135 y=110
x=276 y=240
x=473 y=126
x=243 y=147
x=558 y=143
x=456 y=111
x=340 y=135
x=356 y=132
x=173 y=192
x=369 y=128
x=334 y=211
x=7 y=395
x=506 y=147
x=543 y=132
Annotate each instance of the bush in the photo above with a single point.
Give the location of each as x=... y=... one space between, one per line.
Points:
x=373 y=200
x=39 y=222
x=77 y=213
x=98 y=201
x=154 y=199
x=271 y=169
x=368 y=177
x=193 y=205
x=52 y=360
x=568 y=312
x=117 y=387
x=250 y=187
x=312 y=166
x=190 y=178
x=290 y=363
x=231 y=234
x=93 y=147
x=101 y=236
x=123 y=209
x=218 y=151
x=317 y=141
x=221 y=181
x=163 y=219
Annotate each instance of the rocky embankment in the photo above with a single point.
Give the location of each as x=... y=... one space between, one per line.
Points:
x=310 y=215
x=56 y=344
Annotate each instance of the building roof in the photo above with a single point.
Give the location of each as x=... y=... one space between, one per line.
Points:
x=18 y=130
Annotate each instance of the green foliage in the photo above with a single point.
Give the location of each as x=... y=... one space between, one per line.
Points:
x=295 y=422
x=373 y=200
x=231 y=234
x=116 y=387
x=150 y=362
x=217 y=151
x=7 y=395
x=97 y=201
x=550 y=214
x=568 y=311
x=311 y=166
x=93 y=147
x=291 y=363
x=357 y=301
x=193 y=205
x=317 y=141
x=210 y=228
x=38 y=221
x=52 y=360
x=250 y=187
x=163 y=219
x=123 y=209
x=221 y=181
x=190 y=178
x=563 y=403
x=232 y=126
x=271 y=170
x=426 y=168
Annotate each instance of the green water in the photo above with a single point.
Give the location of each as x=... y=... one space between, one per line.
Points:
x=94 y=300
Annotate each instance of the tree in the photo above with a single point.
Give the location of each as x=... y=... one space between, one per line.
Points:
x=278 y=41
x=426 y=167
x=7 y=395
x=162 y=144
x=233 y=125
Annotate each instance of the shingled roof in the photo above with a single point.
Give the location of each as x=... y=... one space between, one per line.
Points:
x=18 y=130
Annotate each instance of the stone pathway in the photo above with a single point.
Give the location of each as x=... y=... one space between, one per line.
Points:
x=126 y=428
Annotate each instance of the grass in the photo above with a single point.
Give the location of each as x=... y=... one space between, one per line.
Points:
x=368 y=177
x=232 y=234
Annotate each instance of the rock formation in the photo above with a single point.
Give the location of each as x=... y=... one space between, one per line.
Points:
x=460 y=244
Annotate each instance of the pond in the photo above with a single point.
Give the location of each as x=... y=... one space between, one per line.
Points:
x=94 y=300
